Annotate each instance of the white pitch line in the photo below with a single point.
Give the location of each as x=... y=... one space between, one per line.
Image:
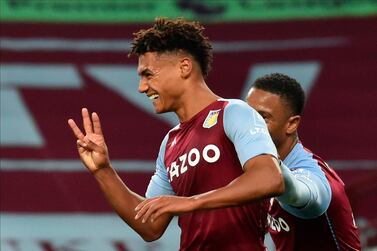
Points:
x=123 y=45
x=52 y=165
x=65 y=165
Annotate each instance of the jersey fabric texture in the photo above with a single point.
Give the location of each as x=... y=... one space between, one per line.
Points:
x=208 y=152
x=333 y=230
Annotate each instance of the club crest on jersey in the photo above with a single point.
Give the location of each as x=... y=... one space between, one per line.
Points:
x=211 y=119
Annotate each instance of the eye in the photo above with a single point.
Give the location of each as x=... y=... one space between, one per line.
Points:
x=146 y=74
x=264 y=116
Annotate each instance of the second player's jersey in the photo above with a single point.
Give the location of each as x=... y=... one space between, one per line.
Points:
x=332 y=231
x=207 y=153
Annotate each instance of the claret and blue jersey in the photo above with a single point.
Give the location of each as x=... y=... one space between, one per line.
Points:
x=226 y=130
x=334 y=230
x=208 y=152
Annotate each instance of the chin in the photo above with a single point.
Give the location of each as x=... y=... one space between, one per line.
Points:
x=159 y=111
x=159 y=108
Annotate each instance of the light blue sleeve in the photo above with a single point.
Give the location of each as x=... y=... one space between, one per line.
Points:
x=247 y=130
x=307 y=192
x=159 y=183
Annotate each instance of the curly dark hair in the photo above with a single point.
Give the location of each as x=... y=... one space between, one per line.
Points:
x=174 y=35
x=284 y=86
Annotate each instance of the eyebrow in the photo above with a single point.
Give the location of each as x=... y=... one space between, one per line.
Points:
x=264 y=113
x=144 y=72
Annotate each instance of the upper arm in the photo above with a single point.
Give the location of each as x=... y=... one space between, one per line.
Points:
x=265 y=174
x=263 y=160
x=261 y=179
x=255 y=149
x=159 y=183
x=248 y=132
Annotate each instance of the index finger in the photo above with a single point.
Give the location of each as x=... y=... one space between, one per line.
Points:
x=75 y=129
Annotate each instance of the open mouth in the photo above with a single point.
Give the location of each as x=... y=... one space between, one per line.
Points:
x=153 y=96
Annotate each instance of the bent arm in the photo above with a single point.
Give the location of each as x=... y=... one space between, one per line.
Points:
x=256 y=152
x=307 y=194
x=124 y=201
x=261 y=179
x=93 y=152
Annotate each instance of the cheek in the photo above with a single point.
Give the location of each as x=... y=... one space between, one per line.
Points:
x=271 y=128
x=275 y=131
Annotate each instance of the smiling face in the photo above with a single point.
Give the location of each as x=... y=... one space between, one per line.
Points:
x=277 y=114
x=161 y=80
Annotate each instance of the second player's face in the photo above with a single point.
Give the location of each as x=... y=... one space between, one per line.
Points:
x=271 y=107
x=160 y=79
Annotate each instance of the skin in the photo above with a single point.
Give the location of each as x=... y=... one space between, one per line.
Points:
x=282 y=124
x=257 y=170
x=261 y=171
x=94 y=154
x=177 y=80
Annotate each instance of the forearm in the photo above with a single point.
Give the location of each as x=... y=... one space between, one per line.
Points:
x=124 y=201
x=296 y=193
x=307 y=194
x=260 y=181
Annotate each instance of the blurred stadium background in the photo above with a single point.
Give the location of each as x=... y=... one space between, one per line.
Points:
x=58 y=56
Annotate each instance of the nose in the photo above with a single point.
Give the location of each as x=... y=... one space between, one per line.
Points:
x=143 y=86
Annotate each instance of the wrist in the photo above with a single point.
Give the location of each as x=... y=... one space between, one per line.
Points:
x=103 y=172
x=197 y=202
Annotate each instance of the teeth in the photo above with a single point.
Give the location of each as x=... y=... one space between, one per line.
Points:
x=154 y=96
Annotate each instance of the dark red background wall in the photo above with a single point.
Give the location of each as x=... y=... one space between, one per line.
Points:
x=339 y=123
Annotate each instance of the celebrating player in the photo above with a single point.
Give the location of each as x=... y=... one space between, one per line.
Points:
x=295 y=223
x=220 y=152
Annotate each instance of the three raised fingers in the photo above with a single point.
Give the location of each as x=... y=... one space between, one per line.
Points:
x=89 y=124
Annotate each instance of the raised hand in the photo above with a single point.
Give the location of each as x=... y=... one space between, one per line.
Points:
x=91 y=145
x=155 y=207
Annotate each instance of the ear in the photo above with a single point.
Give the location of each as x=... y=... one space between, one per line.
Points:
x=293 y=123
x=185 y=67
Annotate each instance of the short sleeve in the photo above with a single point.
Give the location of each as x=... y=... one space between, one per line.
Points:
x=247 y=130
x=159 y=183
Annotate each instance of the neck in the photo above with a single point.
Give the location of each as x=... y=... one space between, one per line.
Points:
x=287 y=146
x=195 y=99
